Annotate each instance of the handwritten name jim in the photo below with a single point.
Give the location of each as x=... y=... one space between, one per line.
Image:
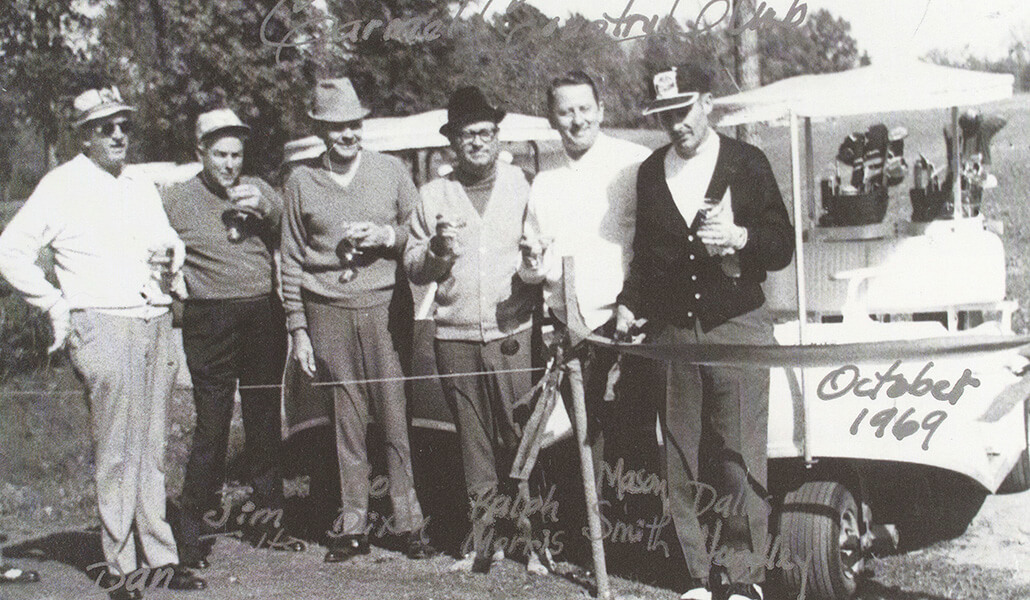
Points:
x=428 y=27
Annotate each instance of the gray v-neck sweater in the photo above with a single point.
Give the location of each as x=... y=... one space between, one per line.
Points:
x=317 y=209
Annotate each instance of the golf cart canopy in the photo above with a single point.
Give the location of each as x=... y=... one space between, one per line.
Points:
x=895 y=86
x=422 y=131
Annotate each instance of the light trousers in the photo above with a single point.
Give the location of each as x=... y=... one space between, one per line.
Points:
x=129 y=367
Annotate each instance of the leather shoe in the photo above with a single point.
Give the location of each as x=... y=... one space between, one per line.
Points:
x=291 y=545
x=124 y=594
x=9 y=574
x=347 y=548
x=280 y=540
x=418 y=548
x=199 y=563
x=115 y=587
x=182 y=579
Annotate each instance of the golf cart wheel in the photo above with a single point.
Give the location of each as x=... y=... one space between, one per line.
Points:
x=820 y=524
x=1018 y=479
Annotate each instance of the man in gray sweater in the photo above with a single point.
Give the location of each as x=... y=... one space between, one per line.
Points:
x=344 y=226
x=233 y=330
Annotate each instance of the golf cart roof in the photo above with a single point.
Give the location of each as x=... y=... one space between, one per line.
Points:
x=892 y=86
x=390 y=134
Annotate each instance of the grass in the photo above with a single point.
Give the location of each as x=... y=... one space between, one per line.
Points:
x=46 y=465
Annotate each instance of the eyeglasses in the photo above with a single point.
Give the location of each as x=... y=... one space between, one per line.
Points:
x=107 y=129
x=483 y=135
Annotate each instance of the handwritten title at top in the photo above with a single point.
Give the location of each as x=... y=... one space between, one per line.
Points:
x=428 y=27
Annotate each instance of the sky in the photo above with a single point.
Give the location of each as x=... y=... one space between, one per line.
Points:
x=887 y=29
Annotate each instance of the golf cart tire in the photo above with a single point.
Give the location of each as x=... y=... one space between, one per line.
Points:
x=1018 y=479
x=811 y=525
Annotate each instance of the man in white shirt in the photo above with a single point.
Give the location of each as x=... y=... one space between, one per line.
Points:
x=116 y=259
x=585 y=208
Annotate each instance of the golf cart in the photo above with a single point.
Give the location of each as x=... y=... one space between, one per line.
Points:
x=857 y=444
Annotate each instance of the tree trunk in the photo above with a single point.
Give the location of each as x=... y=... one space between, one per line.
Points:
x=745 y=56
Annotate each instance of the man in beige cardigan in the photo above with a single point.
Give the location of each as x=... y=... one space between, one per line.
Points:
x=465 y=236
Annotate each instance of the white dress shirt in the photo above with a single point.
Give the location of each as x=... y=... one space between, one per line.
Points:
x=100 y=229
x=688 y=179
x=588 y=207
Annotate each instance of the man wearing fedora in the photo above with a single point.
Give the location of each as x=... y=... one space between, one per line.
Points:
x=710 y=224
x=344 y=227
x=465 y=237
x=116 y=259
x=233 y=330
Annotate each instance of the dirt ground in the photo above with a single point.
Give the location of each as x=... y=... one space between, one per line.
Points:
x=991 y=561
x=47 y=508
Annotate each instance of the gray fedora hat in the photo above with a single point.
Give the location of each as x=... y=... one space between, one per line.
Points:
x=335 y=101
x=221 y=119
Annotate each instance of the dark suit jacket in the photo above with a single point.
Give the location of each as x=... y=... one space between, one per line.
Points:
x=672 y=278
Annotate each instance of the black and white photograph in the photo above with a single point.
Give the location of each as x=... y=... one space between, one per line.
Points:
x=520 y=299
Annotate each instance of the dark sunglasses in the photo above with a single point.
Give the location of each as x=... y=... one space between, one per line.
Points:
x=107 y=129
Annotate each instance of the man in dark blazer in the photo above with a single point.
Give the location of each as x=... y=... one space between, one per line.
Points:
x=710 y=224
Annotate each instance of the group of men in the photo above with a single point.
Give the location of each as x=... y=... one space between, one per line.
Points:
x=673 y=242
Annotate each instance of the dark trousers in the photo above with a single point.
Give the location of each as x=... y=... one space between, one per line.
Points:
x=228 y=341
x=715 y=429
x=482 y=406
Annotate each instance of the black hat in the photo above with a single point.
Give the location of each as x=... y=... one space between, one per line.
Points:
x=469 y=105
x=678 y=87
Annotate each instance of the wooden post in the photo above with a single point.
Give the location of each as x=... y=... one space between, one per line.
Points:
x=586 y=454
x=586 y=468
x=956 y=166
x=745 y=55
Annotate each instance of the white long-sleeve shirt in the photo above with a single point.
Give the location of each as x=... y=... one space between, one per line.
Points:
x=688 y=179
x=588 y=206
x=100 y=229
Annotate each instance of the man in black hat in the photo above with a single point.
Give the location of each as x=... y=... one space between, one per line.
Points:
x=344 y=227
x=710 y=224
x=465 y=237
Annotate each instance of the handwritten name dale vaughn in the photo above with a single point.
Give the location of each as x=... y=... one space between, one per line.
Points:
x=428 y=27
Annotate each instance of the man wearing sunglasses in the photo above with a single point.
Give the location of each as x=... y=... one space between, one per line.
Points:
x=465 y=237
x=117 y=259
x=344 y=226
x=710 y=223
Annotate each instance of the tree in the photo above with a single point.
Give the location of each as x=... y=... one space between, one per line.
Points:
x=1016 y=62
x=178 y=58
x=745 y=59
x=394 y=76
x=822 y=45
x=44 y=51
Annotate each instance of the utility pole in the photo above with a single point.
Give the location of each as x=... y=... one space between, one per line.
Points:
x=745 y=58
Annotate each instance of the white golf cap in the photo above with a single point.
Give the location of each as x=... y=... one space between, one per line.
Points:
x=218 y=120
